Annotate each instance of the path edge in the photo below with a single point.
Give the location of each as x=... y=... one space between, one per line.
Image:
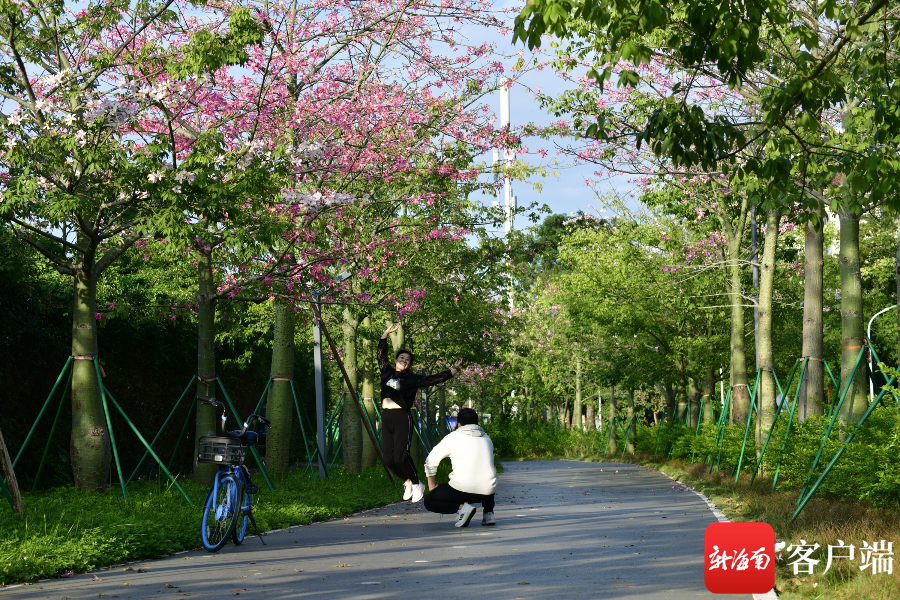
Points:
x=722 y=518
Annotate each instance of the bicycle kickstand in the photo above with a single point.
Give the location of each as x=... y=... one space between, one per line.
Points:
x=253 y=521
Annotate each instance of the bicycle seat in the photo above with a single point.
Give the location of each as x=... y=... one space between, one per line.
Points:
x=248 y=439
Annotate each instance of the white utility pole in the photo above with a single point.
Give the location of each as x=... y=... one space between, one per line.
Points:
x=721 y=387
x=505 y=195
x=509 y=201
x=600 y=411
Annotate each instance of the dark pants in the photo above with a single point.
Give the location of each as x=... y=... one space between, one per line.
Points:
x=396 y=435
x=446 y=500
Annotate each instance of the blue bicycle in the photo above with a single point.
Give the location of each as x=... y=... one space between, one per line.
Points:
x=229 y=504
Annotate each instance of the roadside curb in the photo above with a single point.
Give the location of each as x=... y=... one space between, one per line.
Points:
x=722 y=518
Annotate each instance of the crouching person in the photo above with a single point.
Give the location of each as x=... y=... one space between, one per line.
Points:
x=473 y=479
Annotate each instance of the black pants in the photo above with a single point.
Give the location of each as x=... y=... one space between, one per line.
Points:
x=446 y=500
x=396 y=435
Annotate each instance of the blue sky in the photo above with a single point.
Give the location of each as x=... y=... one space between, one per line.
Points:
x=565 y=191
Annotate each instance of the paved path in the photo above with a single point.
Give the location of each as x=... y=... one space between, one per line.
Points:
x=564 y=530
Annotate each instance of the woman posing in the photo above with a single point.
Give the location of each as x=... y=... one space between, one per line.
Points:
x=398 y=394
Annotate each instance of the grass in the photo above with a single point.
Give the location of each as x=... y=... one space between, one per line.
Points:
x=825 y=520
x=67 y=530
x=70 y=531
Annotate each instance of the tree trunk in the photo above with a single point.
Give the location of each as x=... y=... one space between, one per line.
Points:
x=740 y=393
x=369 y=456
x=709 y=395
x=668 y=395
x=852 y=331
x=90 y=447
x=812 y=388
x=576 y=409
x=590 y=417
x=693 y=403
x=12 y=485
x=279 y=407
x=629 y=423
x=611 y=423
x=567 y=418
x=351 y=433
x=206 y=363
x=766 y=351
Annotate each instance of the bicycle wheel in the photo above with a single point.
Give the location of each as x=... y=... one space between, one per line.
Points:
x=220 y=514
x=240 y=525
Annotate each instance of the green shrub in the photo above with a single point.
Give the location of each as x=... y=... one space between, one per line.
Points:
x=869 y=468
x=538 y=439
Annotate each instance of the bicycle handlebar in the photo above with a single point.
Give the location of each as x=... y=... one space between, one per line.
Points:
x=213 y=402
x=263 y=420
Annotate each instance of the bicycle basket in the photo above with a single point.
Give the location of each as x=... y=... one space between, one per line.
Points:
x=220 y=450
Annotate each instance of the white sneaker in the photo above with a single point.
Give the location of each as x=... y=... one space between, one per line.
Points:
x=465 y=515
x=418 y=492
x=407 y=490
x=488 y=519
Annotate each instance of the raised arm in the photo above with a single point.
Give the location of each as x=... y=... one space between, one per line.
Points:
x=407 y=385
x=434 y=379
x=381 y=353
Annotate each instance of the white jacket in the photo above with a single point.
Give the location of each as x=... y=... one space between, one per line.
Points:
x=472 y=454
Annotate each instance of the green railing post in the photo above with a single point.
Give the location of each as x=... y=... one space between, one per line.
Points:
x=830 y=374
x=790 y=423
x=41 y=413
x=309 y=457
x=827 y=433
x=778 y=412
x=837 y=388
x=161 y=429
x=263 y=397
x=369 y=421
x=336 y=453
x=112 y=437
x=183 y=430
x=62 y=401
x=609 y=427
x=253 y=451
x=720 y=424
x=721 y=441
x=340 y=404
x=669 y=431
x=333 y=431
x=877 y=361
x=837 y=456
x=425 y=445
x=753 y=397
x=147 y=446
x=699 y=422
